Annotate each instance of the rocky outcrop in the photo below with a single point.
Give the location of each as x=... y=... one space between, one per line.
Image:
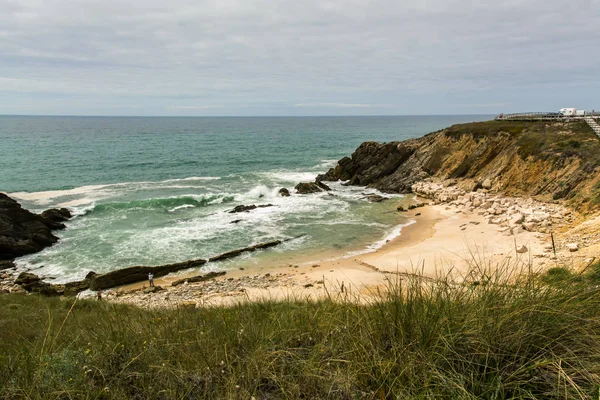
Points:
x=373 y=162
x=137 y=274
x=23 y=232
x=243 y=208
x=311 y=187
x=55 y=217
x=283 y=192
x=547 y=160
x=199 y=278
x=235 y=253
x=6 y=264
x=34 y=284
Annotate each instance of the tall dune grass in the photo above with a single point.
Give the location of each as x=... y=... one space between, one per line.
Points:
x=494 y=336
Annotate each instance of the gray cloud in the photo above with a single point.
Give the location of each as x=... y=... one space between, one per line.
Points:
x=268 y=57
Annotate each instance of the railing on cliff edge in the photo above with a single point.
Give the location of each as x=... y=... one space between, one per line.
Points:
x=543 y=116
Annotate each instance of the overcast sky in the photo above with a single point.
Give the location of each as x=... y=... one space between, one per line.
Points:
x=301 y=57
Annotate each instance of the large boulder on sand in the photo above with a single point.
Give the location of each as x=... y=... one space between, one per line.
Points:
x=23 y=232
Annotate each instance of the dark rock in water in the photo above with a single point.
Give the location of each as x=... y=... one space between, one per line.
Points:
x=235 y=253
x=237 y=221
x=55 y=217
x=401 y=209
x=307 y=188
x=412 y=207
x=322 y=185
x=311 y=187
x=375 y=198
x=243 y=208
x=199 y=278
x=6 y=264
x=23 y=232
x=138 y=273
x=283 y=192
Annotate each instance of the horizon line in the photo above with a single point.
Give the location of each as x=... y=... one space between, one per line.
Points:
x=239 y=116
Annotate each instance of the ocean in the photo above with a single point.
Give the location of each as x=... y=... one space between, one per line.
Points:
x=157 y=190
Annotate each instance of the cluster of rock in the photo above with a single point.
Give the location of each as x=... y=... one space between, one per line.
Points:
x=512 y=215
x=188 y=294
x=7 y=283
x=312 y=187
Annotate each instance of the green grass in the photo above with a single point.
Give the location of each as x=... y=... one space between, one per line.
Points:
x=501 y=337
x=539 y=138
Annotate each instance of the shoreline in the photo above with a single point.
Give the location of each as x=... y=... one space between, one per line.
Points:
x=436 y=237
x=448 y=238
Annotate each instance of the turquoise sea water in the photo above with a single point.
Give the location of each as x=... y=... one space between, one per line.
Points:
x=150 y=191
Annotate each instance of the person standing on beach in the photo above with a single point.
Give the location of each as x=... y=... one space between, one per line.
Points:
x=151 y=279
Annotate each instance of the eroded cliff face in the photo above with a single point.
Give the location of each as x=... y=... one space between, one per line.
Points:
x=549 y=161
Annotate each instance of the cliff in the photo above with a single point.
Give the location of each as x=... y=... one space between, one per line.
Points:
x=545 y=160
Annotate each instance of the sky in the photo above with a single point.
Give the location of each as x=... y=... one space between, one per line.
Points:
x=308 y=57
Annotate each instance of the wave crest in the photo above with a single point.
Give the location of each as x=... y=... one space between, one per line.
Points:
x=166 y=204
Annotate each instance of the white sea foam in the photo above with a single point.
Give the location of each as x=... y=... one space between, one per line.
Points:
x=325 y=164
x=46 y=197
x=97 y=192
x=181 y=207
x=194 y=178
x=394 y=233
x=288 y=176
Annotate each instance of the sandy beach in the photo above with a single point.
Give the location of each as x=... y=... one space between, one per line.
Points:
x=446 y=238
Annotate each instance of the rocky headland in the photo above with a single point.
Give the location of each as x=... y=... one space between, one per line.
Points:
x=548 y=161
x=23 y=232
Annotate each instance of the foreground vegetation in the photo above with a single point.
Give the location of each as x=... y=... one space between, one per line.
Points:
x=497 y=337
